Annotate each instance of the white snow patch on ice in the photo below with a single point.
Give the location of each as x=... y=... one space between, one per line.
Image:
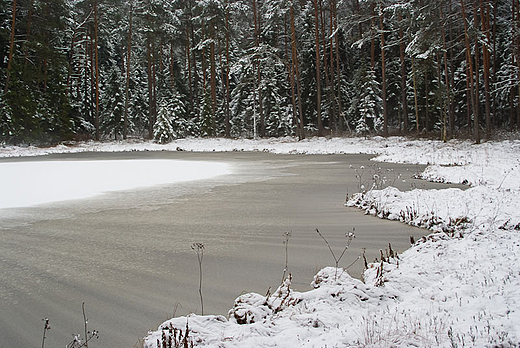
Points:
x=24 y=184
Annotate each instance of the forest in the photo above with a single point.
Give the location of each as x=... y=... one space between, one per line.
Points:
x=165 y=69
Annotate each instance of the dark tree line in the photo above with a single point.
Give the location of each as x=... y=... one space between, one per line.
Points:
x=81 y=69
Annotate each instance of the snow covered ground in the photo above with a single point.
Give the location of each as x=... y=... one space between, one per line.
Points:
x=457 y=287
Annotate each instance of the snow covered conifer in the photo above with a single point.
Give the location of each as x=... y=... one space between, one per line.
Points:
x=171 y=119
x=6 y=119
x=180 y=124
x=163 y=130
x=206 y=117
x=366 y=101
x=113 y=102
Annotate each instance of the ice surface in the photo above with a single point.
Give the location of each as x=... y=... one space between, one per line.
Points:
x=459 y=286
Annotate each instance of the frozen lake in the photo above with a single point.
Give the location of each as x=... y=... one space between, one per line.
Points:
x=126 y=253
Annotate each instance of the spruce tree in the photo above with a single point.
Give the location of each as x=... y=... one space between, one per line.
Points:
x=163 y=130
x=366 y=102
x=113 y=103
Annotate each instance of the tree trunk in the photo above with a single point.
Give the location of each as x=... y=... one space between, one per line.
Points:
x=426 y=101
x=372 y=40
x=484 y=18
x=70 y=67
x=195 y=85
x=213 y=79
x=477 y=84
x=358 y=12
x=259 y=71
x=443 y=102
x=127 y=89
x=150 y=88
x=290 y=69
x=28 y=39
x=449 y=106
x=87 y=104
x=338 y=71
x=188 y=61
x=96 y=53
x=297 y=75
x=415 y=96
x=172 y=67
x=513 y=63
x=331 y=84
x=404 y=101
x=228 y=63
x=452 y=74
x=494 y=78
x=470 y=71
x=318 y=68
x=154 y=85
x=517 y=54
x=11 y=48
x=203 y=63
x=383 y=77
x=326 y=71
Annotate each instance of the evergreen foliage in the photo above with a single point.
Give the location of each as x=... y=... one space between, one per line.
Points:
x=365 y=107
x=163 y=131
x=79 y=69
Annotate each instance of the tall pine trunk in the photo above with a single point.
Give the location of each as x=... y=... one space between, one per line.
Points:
x=383 y=75
x=28 y=39
x=258 y=70
x=415 y=96
x=516 y=50
x=301 y=128
x=338 y=71
x=318 y=68
x=476 y=116
x=484 y=19
x=470 y=72
x=96 y=53
x=372 y=39
x=188 y=62
x=494 y=78
x=443 y=102
x=213 y=80
x=128 y=58
x=513 y=63
x=228 y=64
x=150 y=88
x=290 y=71
x=404 y=102
x=11 y=48
x=426 y=101
x=449 y=106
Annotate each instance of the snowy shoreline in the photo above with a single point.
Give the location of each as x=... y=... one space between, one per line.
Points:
x=459 y=286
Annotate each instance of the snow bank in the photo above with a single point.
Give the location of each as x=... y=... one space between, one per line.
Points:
x=459 y=286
